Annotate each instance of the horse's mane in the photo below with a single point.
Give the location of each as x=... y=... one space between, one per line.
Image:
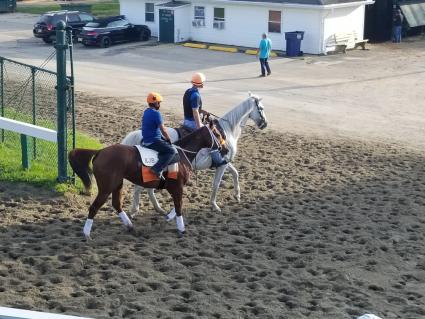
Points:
x=188 y=138
x=235 y=115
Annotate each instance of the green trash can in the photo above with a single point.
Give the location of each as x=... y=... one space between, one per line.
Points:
x=7 y=5
x=82 y=7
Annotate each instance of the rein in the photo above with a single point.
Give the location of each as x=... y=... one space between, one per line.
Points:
x=184 y=151
x=219 y=117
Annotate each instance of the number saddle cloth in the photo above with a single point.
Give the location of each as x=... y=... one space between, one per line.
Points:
x=149 y=158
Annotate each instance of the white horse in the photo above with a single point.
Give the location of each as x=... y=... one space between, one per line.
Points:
x=232 y=124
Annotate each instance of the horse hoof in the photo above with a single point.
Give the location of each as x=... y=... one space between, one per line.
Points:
x=87 y=238
x=215 y=208
x=238 y=198
x=130 y=229
x=180 y=233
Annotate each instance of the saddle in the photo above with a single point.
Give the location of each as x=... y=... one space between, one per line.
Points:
x=148 y=158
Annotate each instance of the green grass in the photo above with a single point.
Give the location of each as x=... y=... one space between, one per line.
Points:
x=43 y=169
x=99 y=8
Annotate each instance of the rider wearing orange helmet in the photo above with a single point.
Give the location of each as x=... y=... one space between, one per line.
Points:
x=152 y=127
x=192 y=103
x=192 y=107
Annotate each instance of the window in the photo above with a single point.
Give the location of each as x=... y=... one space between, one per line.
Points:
x=218 y=18
x=275 y=19
x=92 y=25
x=73 y=18
x=218 y=14
x=85 y=17
x=118 y=24
x=200 y=13
x=199 y=17
x=149 y=12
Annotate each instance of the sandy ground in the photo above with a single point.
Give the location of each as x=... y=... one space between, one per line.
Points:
x=326 y=229
x=331 y=221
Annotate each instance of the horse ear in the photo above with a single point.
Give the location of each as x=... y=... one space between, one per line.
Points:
x=249 y=93
x=260 y=98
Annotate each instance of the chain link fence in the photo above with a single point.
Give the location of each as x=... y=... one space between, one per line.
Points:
x=28 y=94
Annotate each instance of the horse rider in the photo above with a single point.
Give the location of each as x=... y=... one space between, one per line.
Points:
x=192 y=108
x=152 y=127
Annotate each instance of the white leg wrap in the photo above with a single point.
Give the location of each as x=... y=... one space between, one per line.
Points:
x=87 y=227
x=180 y=223
x=171 y=215
x=126 y=221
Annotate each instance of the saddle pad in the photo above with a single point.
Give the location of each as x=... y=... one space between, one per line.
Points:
x=149 y=157
x=148 y=175
x=173 y=170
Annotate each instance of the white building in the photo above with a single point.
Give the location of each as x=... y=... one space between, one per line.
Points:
x=241 y=22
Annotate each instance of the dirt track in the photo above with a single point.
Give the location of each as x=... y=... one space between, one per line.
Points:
x=326 y=229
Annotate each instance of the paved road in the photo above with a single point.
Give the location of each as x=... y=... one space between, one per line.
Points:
x=375 y=94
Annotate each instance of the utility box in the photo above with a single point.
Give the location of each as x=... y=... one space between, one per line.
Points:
x=7 y=5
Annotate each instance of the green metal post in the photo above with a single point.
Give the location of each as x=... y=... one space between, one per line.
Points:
x=2 y=94
x=72 y=91
x=25 y=150
x=34 y=141
x=61 y=47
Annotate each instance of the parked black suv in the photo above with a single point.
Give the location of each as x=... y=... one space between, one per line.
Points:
x=45 y=27
x=104 y=32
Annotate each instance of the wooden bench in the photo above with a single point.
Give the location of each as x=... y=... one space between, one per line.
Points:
x=341 y=41
x=359 y=43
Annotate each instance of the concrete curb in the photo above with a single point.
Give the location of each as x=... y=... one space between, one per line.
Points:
x=195 y=45
x=228 y=49
x=224 y=49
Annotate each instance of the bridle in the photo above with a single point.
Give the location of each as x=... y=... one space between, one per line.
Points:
x=214 y=141
x=260 y=110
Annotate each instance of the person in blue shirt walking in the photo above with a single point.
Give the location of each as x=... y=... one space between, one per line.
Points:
x=152 y=127
x=264 y=50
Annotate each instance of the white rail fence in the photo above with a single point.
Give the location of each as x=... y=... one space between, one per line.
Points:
x=11 y=313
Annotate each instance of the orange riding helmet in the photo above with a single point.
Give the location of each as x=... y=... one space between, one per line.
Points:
x=198 y=79
x=154 y=97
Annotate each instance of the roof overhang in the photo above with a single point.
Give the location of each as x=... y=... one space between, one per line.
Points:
x=414 y=12
x=300 y=5
x=173 y=4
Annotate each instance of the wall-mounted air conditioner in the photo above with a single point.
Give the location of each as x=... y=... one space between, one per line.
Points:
x=198 y=23
x=218 y=25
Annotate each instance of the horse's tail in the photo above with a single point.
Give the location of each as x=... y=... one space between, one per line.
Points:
x=80 y=159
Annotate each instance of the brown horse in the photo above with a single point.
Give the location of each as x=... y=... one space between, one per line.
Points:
x=115 y=163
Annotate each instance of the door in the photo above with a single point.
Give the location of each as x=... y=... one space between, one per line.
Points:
x=74 y=21
x=166 y=25
x=116 y=30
